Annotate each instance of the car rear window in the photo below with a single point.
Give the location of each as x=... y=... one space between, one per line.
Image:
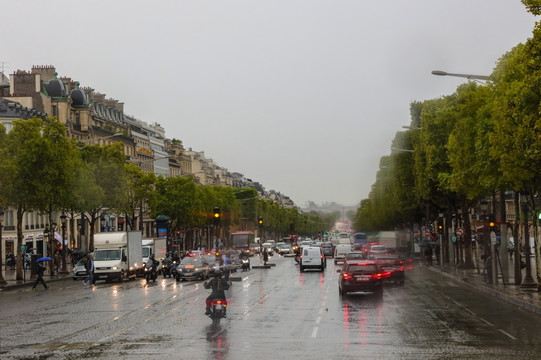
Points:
x=369 y=268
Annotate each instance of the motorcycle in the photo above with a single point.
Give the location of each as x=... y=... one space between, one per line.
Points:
x=217 y=310
x=151 y=273
x=297 y=257
x=167 y=270
x=245 y=264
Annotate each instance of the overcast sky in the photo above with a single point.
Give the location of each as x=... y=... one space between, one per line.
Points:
x=303 y=96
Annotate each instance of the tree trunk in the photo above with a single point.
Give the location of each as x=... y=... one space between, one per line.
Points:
x=518 y=254
x=20 y=213
x=468 y=256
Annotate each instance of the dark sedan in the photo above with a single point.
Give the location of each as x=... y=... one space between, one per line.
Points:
x=328 y=249
x=393 y=264
x=192 y=267
x=363 y=277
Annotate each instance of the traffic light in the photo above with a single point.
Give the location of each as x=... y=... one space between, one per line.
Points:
x=491 y=223
x=260 y=221
x=440 y=226
x=216 y=214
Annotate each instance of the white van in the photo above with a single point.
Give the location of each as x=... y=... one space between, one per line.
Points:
x=340 y=252
x=312 y=258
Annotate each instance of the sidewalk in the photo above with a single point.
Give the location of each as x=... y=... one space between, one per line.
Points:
x=528 y=299
x=10 y=275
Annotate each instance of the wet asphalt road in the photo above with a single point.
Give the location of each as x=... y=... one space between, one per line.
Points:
x=273 y=313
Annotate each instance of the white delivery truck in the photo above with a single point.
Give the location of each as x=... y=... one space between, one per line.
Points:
x=158 y=247
x=117 y=255
x=389 y=239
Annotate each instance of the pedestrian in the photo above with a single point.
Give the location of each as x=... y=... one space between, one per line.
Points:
x=13 y=261
x=428 y=255
x=265 y=256
x=40 y=270
x=89 y=266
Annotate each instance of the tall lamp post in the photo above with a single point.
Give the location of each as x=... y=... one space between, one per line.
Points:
x=528 y=281
x=63 y=220
x=2 y=281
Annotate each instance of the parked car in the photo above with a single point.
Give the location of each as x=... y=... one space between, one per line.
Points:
x=193 y=267
x=363 y=277
x=312 y=258
x=392 y=263
x=79 y=270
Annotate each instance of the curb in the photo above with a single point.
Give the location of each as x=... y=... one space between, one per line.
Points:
x=30 y=283
x=488 y=290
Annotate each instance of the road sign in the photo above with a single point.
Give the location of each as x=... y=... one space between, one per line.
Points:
x=493 y=237
x=459 y=231
x=427 y=233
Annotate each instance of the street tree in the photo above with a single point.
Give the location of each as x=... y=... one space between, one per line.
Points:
x=105 y=183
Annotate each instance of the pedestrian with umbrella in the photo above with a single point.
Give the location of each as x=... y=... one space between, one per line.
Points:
x=40 y=269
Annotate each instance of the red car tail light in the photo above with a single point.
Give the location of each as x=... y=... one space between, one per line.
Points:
x=347 y=276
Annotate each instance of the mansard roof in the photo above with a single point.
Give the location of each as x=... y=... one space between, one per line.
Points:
x=13 y=110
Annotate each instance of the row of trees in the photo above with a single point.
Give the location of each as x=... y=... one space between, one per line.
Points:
x=464 y=147
x=43 y=170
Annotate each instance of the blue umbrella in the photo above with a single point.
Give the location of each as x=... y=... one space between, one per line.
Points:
x=45 y=258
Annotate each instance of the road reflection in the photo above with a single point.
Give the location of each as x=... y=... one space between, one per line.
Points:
x=217 y=340
x=362 y=318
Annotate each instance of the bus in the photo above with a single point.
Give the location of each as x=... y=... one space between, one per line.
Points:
x=243 y=240
x=360 y=238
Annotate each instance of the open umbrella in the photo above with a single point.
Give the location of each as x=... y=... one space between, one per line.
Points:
x=45 y=258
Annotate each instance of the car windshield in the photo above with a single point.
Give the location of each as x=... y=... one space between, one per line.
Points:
x=146 y=252
x=354 y=256
x=107 y=255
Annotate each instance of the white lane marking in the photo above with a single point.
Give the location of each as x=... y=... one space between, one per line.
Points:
x=507 y=334
x=314 y=333
x=318 y=320
x=486 y=322
x=471 y=312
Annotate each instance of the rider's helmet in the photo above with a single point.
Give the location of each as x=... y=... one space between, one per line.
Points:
x=218 y=273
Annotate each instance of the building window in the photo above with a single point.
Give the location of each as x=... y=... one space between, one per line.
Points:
x=55 y=110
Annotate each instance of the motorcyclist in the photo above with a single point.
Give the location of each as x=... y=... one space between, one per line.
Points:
x=152 y=263
x=243 y=255
x=167 y=263
x=218 y=286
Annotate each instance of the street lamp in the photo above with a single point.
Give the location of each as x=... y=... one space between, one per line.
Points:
x=2 y=281
x=63 y=220
x=467 y=76
x=528 y=281
x=402 y=150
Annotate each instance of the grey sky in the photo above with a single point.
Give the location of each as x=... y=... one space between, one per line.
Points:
x=303 y=96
